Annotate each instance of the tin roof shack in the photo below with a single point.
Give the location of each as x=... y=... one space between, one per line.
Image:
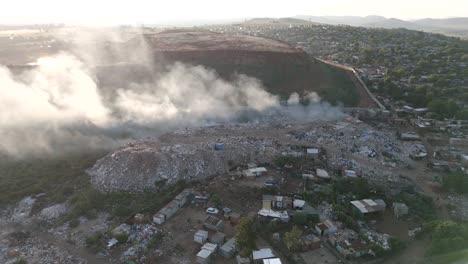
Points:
x=182 y=198
x=325 y=228
x=323 y=175
x=439 y=165
x=172 y=207
x=264 y=253
x=213 y=223
x=409 y=136
x=350 y=174
x=282 y=216
x=200 y=236
x=234 y=217
x=282 y=202
x=400 y=209
x=422 y=124
x=311 y=242
x=348 y=243
x=368 y=208
x=313 y=152
x=272 y=261
x=218 y=238
x=255 y=172
x=276 y=202
x=228 y=249
x=112 y=242
x=206 y=253
x=201 y=198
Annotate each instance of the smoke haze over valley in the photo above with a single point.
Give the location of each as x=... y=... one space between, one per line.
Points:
x=59 y=106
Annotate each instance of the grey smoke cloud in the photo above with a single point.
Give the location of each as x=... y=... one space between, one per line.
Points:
x=59 y=107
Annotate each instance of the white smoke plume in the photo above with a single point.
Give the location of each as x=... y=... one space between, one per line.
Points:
x=59 y=107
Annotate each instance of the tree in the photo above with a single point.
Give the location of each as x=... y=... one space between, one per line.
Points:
x=293 y=239
x=397 y=72
x=300 y=219
x=443 y=108
x=464 y=58
x=245 y=237
x=463 y=114
x=448 y=236
x=216 y=200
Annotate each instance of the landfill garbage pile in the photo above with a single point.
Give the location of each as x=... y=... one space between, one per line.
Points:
x=142 y=165
x=197 y=153
x=35 y=250
x=375 y=154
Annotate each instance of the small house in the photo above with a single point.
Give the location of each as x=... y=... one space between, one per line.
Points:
x=182 y=198
x=400 y=209
x=234 y=217
x=159 y=219
x=368 y=207
x=264 y=253
x=322 y=174
x=350 y=174
x=200 y=236
x=267 y=201
x=210 y=246
x=325 y=228
x=409 y=136
x=272 y=261
x=282 y=202
x=204 y=256
x=111 y=243
x=282 y=216
x=228 y=249
x=213 y=223
x=298 y=204
x=313 y=152
x=311 y=242
x=218 y=238
x=276 y=202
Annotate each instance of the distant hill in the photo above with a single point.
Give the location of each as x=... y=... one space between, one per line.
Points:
x=285 y=20
x=449 y=26
x=343 y=20
x=392 y=23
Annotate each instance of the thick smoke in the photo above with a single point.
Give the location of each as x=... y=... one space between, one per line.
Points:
x=59 y=106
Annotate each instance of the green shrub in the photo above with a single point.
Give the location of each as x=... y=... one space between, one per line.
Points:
x=121 y=237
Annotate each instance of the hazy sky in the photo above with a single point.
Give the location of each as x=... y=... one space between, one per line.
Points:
x=104 y=12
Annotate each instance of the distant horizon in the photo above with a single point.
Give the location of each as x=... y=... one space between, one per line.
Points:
x=195 y=22
x=134 y=12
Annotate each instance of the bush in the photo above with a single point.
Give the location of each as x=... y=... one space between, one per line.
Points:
x=74 y=223
x=300 y=219
x=419 y=204
x=271 y=190
x=121 y=237
x=456 y=181
x=95 y=240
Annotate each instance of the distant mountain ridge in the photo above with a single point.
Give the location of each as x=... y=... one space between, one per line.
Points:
x=450 y=26
x=284 y=20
